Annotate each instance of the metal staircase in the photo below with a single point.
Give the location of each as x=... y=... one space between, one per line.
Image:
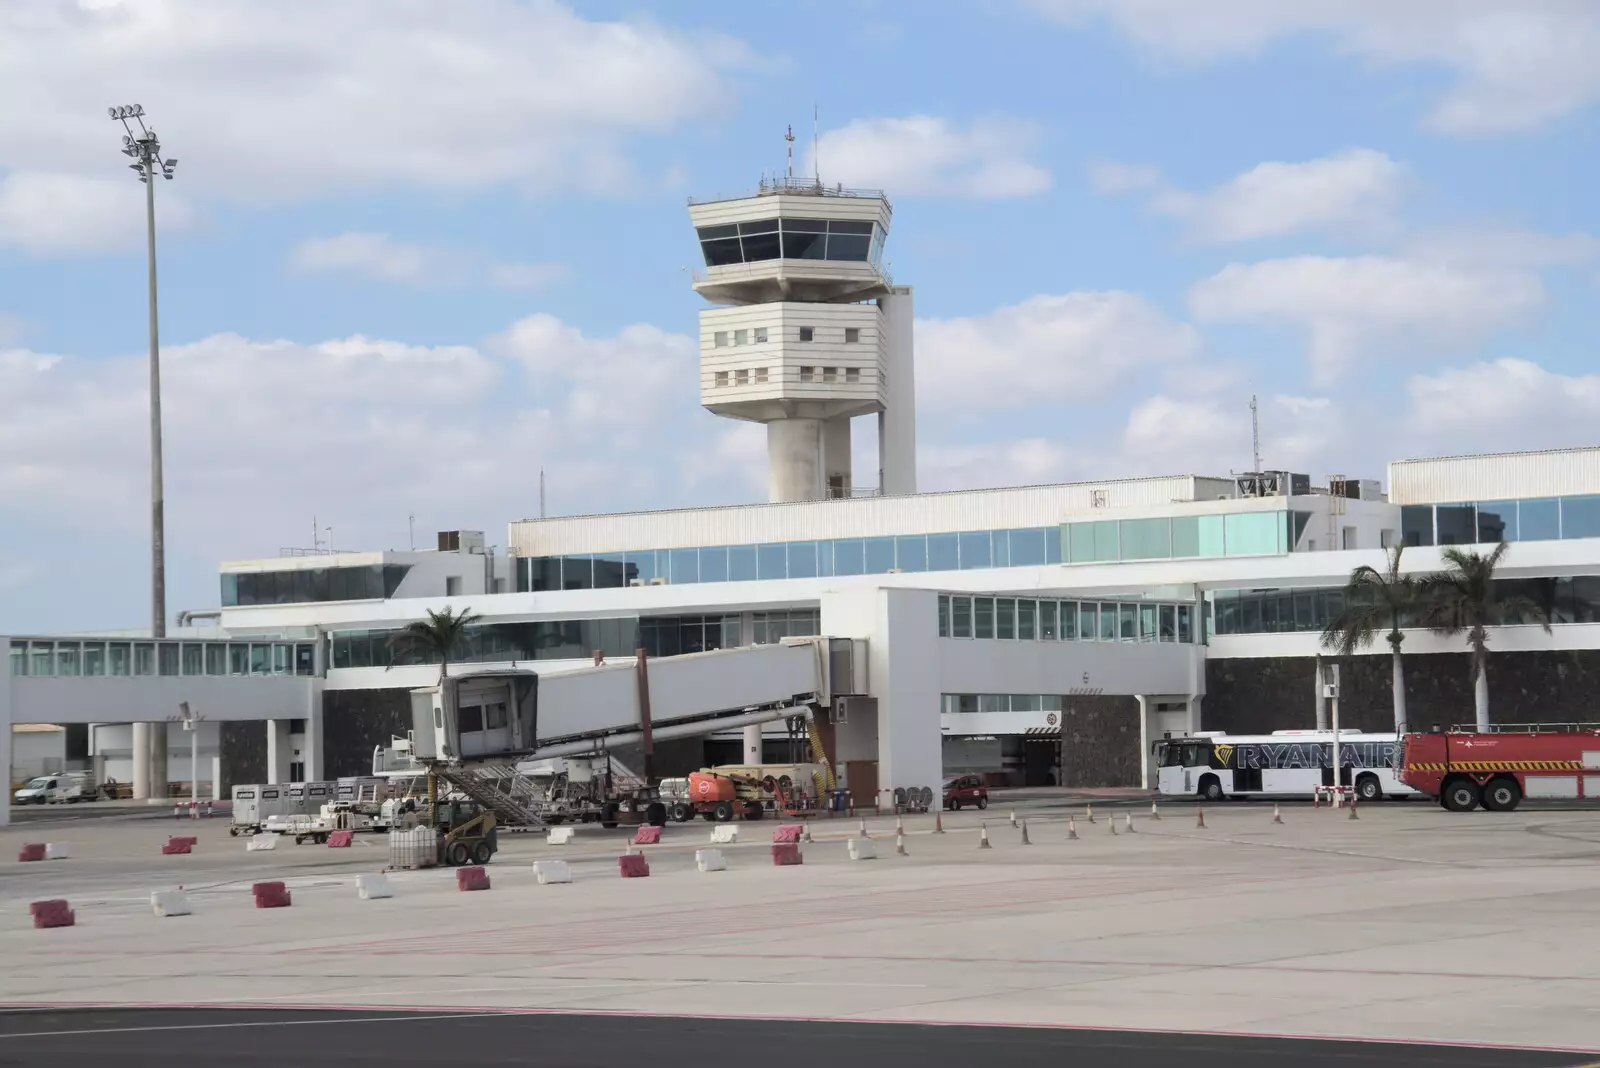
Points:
x=513 y=798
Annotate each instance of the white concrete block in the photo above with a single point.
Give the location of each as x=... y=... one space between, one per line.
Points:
x=710 y=860
x=373 y=886
x=264 y=840
x=562 y=835
x=552 y=871
x=170 y=903
x=725 y=833
x=863 y=849
x=56 y=851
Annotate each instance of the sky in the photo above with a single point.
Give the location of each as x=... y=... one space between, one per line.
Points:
x=416 y=252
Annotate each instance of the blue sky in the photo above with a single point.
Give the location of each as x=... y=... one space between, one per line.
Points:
x=411 y=259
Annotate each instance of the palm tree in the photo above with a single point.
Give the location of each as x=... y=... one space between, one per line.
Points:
x=438 y=637
x=1463 y=598
x=1375 y=600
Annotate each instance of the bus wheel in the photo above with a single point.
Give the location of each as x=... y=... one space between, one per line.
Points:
x=1460 y=795
x=1501 y=795
x=1211 y=788
x=1368 y=789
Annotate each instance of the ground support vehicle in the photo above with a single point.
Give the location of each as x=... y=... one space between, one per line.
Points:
x=1213 y=765
x=1464 y=768
x=61 y=788
x=963 y=790
x=752 y=792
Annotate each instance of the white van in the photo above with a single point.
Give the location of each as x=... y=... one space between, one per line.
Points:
x=61 y=788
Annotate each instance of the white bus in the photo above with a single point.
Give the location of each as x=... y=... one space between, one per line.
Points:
x=1213 y=765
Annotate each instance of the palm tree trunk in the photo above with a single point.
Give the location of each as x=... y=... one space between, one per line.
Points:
x=1480 y=689
x=1399 y=693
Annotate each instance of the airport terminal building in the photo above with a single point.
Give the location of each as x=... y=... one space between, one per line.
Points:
x=1039 y=634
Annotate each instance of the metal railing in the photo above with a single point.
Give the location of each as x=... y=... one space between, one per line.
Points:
x=808 y=187
x=1526 y=728
x=762 y=269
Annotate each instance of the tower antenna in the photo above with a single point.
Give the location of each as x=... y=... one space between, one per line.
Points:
x=788 y=135
x=816 y=147
x=1255 y=435
x=541 y=493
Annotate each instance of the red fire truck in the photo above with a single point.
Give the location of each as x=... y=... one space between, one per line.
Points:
x=1465 y=769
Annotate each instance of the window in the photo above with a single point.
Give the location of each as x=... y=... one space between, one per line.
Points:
x=1005 y=618
x=975 y=550
x=239 y=659
x=1108 y=622
x=1580 y=517
x=1027 y=616
x=1128 y=617
x=848 y=557
x=961 y=617
x=1416 y=524
x=741 y=337
x=807 y=333
x=1255 y=533
x=194 y=658
x=852 y=335
x=852 y=375
x=761 y=335
x=452 y=585
x=983 y=617
x=943 y=553
x=281 y=657
x=260 y=659
x=880 y=555
x=806 y=373
x=761 y=376
x=167 y=658
x=1456 y=524
x=722 y=379
x=1185 y=623
x=1147 y=622
x=1069 y=623
x=741 y=377
x=1497 y=521
x=94 y=659
x=1092 y=542
x=1146 y=539
x=216 y=659
x=911 y=552
x=830 y=374
x=1047 y=621
x=67 y=659
x=720 y=339
x=944 y=615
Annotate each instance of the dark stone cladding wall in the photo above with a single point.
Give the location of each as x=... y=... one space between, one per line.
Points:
x=356 y=721
x=1257 y=695
x=243 y=748
x=1100 y=741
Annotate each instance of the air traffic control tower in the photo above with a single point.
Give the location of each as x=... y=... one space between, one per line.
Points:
x=807 y=333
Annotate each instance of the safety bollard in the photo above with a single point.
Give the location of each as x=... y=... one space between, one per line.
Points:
x=1088 y=812
x=900 y=845
x=1111 y=823
x=1128 y=826
x=1352 y=807
x=1025 y=839
x=1155 y=813
x=1013 y=817
x=1200 y=817
x=1072 y=829
x=983 y=837
x=1277 y=816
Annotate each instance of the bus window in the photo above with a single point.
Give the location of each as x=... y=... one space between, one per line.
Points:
x=1171 y=756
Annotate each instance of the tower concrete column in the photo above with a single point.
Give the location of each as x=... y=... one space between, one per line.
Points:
x=277 y=751
x=795 y=449
x=836 y=456
x=141 y=761
x=752 y=744
x=158 y=760
x=897 y=422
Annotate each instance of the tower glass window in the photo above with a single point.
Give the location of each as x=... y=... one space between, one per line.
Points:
x=720 y=339
x=852 y=335
x=794 y=239
x=761 y=335
x=807 y=333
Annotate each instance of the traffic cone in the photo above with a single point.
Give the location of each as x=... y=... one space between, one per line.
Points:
x=1129 y=825
x=1277 y=817
x=1013 y=817
x=1088 y=812
x=1200 y=817
x=900 y=845
x=1025 y=840
x=899 y=826
x=1112 y=824
x=1155 y=813
x=938 y=823
x=1316 y=798
x=862 y=833
x=1072 y=829
x=1352 y=807
x=805 y=831
x=983 y=837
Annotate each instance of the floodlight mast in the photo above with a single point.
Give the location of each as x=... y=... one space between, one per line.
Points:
x=144 y=148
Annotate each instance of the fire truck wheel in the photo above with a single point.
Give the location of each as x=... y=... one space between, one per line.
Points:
x=1368 y=789
x=682 y=812
x=655 y=814
x=1460 y=795
x=1501 y=795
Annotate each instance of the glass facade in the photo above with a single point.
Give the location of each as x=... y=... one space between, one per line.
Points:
x=1109 y=541
x=1488 y=522
x=494 y=643
x=374 y=582
x=1029 y=619
x=792 y=239
x=794 y=559
x=103 y=658
x=967 y=703
x=1283 y=611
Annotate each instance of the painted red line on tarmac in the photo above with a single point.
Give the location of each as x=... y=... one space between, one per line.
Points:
x=237 y=1006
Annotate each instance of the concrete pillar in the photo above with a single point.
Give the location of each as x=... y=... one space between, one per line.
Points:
x=5 y=733
x=311 y=752
x=1194 y=712
x=1320 y=703
x=794 y=451
x=216 y=777
x=1146 y=737
x=836 y=456
x=141 y=761
x=752 y=744
x=278 y=754
x=158 y=761
x=897 y=423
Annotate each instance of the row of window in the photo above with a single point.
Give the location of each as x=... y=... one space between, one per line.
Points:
x=1489 y=522
x=99 y=659
x=1280 y=611
x=1024 y=547
x=374 y=582
x=745 y=376
x=1026 y=619
x=742 y=376
x=957 y=703
x=758 y=336
x=1183 y=537
x=790 y=239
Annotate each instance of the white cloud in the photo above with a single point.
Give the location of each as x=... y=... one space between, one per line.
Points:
x=1114 y=178
x=1045 y=350
x=1506 y=249
x=1357 y=189
x=1368 y=306
x=262 y=434
x=380 y=258
x=1517 y=64
x=281 y=100
x=1023 y=462
x=1210 y=435
x=1503 y=404
x=927 y=155
x=64 y=214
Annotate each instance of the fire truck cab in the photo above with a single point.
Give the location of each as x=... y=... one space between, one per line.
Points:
x=1497 y=769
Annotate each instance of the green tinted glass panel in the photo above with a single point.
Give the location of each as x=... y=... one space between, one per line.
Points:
x=1146 y=539
x=1185 y=537
x=1255 y=533
x=1211 y=535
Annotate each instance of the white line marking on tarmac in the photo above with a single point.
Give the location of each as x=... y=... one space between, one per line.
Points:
x=245 y=1023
